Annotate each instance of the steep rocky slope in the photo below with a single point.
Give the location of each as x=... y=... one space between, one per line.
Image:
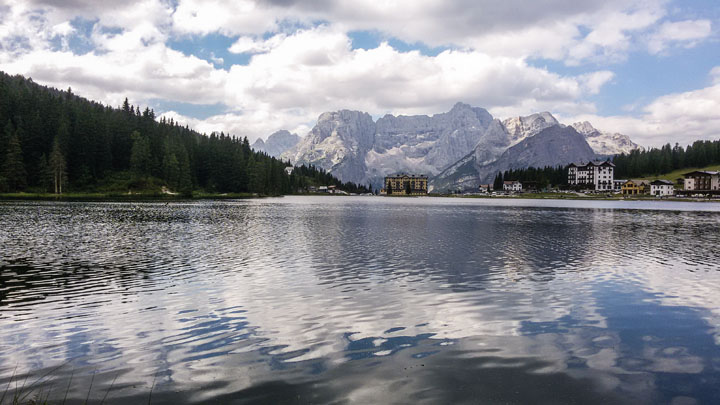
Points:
x=457 y=149
x=277 y=143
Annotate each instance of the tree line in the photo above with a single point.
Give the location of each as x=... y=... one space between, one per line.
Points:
x=55 y=141
x=637 y=163
x=542 y=177
x=656 y=161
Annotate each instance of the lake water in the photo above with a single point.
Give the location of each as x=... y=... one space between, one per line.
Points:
x=361 y=300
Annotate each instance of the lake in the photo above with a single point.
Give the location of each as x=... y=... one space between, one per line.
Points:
x=361 y=300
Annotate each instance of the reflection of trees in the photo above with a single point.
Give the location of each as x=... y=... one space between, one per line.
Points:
x=323 y=291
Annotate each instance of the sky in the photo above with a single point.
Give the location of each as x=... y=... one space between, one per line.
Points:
x=649 y=69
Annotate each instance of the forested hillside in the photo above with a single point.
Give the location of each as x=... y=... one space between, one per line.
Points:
x=658 y=161
x=55 y=141
x=639 y=163
x=542 y=177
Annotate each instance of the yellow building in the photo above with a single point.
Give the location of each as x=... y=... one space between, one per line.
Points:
x=633 y=187
x=405 y=184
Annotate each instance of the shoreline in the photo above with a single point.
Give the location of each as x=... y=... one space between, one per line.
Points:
x=125 y=197
x=588 y=198
x=233 y=196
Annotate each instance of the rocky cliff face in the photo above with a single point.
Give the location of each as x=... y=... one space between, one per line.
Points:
x=423 y=144
x=338 y=143
x=605 y=143
x=519 y=128
x=463 y=174
x=418 y=144
x=457 y=149
x=551 y=146
x=277 y=143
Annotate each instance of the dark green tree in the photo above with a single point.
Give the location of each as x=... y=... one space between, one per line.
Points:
x=13 y=169
x=140 y=156
x=57 y=166
x=498 y=183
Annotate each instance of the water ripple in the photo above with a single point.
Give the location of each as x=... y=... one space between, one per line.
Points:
x=424 y=300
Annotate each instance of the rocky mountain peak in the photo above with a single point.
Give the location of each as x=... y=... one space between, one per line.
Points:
x=519 y=128
x=470 y=114
x=356 y=127
x=277 y=143
x=586 y=129
x=457 y=147
x=605 y=143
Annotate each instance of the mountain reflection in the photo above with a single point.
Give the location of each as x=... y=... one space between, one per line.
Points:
x=362 y=300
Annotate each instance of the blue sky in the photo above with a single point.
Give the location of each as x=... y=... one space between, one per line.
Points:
x=646 y=68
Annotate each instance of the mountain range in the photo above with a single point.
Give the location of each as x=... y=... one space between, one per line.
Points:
x=277 y=143
x=458 y=149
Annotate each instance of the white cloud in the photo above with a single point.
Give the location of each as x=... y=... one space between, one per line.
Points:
x=227 y=17
x=715 y=75
x=680 y=117
x=567 y=30
x=145 y=73
x=594 y=81
x=247 y=44
x=295 y=74
x=253 y=124
x=315 y=70
x=686 y=32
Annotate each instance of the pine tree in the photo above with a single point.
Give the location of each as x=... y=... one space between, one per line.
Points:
x=43 y=170
x=498 y=184
x=185 y=182
x=8 y=130
x=13 y=170
x=171 y=170
x=57 y=166
x=140 y=155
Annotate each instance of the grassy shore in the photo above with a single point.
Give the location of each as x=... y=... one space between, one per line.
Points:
x=578 y=196
x=679 y=174
x=79 y=196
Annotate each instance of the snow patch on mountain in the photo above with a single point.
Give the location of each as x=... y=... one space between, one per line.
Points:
x=450 y=147
x=605 y=143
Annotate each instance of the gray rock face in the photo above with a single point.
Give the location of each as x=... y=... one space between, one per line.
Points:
x=519 y=128
x=499 y=137
x=277 y=143
x=419 y=144
x=338 y=143
x=605 y=143
x=552 y=146
x=423 y=144
x=457 y=149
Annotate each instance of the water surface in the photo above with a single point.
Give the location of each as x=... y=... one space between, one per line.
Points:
x=362 y=300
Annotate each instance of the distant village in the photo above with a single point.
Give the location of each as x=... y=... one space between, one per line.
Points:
x=592 y=177
x=599 y=177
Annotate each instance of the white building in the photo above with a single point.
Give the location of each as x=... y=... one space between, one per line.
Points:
x=594 y=175
x=702 y=180
x=512 y=186
x=662 y=188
